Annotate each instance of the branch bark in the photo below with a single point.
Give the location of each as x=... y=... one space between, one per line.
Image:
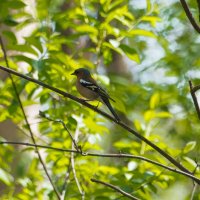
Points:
x=189 y=15
x=194 y=98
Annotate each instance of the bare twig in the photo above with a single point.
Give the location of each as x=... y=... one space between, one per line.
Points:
x=81 y=101
x=67 y=175
x=194 y=185
x=65 y=127
x=192 y=92
x=108 y=156
x=72 y=163
x=115 y=188
x=189 y=15
x=26 y=120
x=81 y=191
x=193 y=191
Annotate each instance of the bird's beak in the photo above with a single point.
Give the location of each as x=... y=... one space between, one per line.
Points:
x=73 y=73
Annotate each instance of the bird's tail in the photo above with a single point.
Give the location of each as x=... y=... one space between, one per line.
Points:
x=107 y=102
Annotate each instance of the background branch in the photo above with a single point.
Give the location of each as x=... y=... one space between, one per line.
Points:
x=108 y=156
x=194 y=98
x=189 y=15
x=73 y=164
x=114 y=188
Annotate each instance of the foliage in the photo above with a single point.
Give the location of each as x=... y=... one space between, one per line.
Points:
x=48 y=40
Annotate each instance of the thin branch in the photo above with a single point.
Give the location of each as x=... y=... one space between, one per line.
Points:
x=189 y=15
x=192 y=92
x=81 y=101
x=108 y=156
x=74 y=145
x=193 y=191
x=195 y=88
x=26 y=120
x=67 y=175
x=194 y=185
x=81 y=191
x=115 y=188
x=65 y=127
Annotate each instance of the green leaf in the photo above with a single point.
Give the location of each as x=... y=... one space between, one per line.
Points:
x=130 y=52
x=148 y=115
x=107 y=55
x=151 y=114
x=5 y=177
x=189 y=163
x=115 y=4
x=86 y=29
x=148 y=2
x=23 y=48
x=10 y=21
x=11 y=36
x=139 y=32
x=189 y=146
x=16 y=4
x=155 y=100
x=151 y=19
x=138 y=125
x=163 y=114
x=35 y=41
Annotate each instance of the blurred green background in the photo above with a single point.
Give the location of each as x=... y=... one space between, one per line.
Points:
x=143 y=52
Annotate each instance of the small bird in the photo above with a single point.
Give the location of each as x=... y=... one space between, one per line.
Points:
x=89 y=89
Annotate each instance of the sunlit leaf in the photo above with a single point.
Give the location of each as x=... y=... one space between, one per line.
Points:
x=5 y=177
x=130 y=52
x=151 y=19
x=155 y=100
x=139 y=32
x=189 y=163
x=189 y=146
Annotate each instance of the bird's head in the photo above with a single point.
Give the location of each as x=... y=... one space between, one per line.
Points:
x=81 y=72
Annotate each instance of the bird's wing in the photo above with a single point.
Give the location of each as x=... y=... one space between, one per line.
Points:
x=95 y=88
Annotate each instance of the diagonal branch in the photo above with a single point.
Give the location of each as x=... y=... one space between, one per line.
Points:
x=189 y=15
x=108 y=155
x=115 y=188
x=124 y=126
x=26 y=120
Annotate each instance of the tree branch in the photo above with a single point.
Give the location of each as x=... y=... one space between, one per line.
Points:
x=114 y=188
x=189 y=15
x=192 y=92
x=130 y=130
x=107 y=156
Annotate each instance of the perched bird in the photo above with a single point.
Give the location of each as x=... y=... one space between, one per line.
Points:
x=89 y=89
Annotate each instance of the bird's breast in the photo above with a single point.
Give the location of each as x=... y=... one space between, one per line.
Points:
x=85 y=92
